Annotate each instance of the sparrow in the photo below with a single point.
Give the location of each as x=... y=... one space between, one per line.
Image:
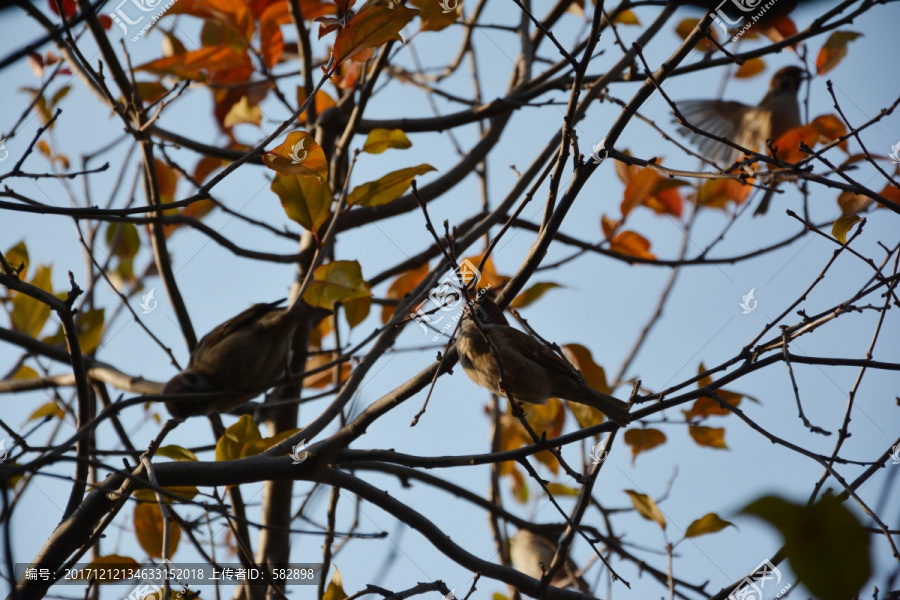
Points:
x=532 y=554
x=239 y=358
x=747 y=126
x=531 y=371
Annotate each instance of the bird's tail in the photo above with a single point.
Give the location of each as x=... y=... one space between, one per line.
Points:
x=613 y=408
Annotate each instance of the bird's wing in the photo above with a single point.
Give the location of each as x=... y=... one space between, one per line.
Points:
x=719 y=118
x=535 y=351
x=244 y=319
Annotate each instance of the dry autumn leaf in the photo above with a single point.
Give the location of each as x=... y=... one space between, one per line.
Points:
x=337 y=281
x=298 y=154
x=369 y=29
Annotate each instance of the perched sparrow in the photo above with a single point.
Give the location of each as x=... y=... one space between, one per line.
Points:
x=747 y=126
x=532 y=554
x=238 y=358
x=531 y=372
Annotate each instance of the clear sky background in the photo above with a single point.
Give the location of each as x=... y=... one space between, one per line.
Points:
x=603 y=305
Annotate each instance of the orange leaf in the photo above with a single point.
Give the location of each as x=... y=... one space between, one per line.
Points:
x=830 y=128
x=148 y=528
x=684 y=29
x=489 y=275
x=642 y=440
x=401 y=286
x=370 y=29
x=631 y=243
x=852 y=204
x=324 y=378
x=750 y=68
x=233 y=14
x=834 y=50
x=717 y=193
x=780 y=28
x=270 y=36
x=788 y=145
x=323 y=102
x=299 y=154
x=638 y=189
x=199 y=64
x=438 y=14
x=583 y=360
x=712 y=437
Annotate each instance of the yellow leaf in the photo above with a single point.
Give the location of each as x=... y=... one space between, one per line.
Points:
x=337 y=281
x=380 y=140
x=631 y=243
x=233 y=442
x=711 y=437
x=28 y=315
x=90 y=329
x=50 y=409
x=176 y=453
x=306 y=200
x=369 y=29
x=834 y=50
x=335 y=589
x=179 y=493
x=299 y=154
x=148 y=528
x=357 y=310
x=386 y=189
x=25 y=372
x=684 y=29
x=626 y=17
x=708 y=523
x=438 y=15
x=533 y=293
x=646 y=507
x=642 y=440
x=842 y=226
x=750 y=68
x=17 y=256
x=243 y=111
x=558 y=489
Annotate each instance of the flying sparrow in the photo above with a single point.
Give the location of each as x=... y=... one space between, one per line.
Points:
x=532 y=554
x=747 y=126
x=238 y=358
x=531 y=372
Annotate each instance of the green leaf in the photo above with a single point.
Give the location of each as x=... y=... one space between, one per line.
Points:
x=388 y=188
x=305 y=200
x=825 y=544
x=842 y=226
x=176 y=453
x=17 y=256
x=337 y=281
x=232 y=444
x=708 y=523
x=123 y=240
x=28 y=315
x=380 y=140
x=558 y=489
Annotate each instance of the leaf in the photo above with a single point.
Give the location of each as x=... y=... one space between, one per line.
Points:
x=642 y=440
x=842 y=226
x=400 y=287
x=717 y=193
x=830 y=128
x=708 y=523
x=324 y=379
x=322 y=103
x=25 y=372
x=583 y=360
x=233 y=443
x=176 y=453
x=305 y=200
x=243 y=111
x=533 y=293
x=123 y=240
x=750 y=68
x=200 y=65
x=686 y=26
x=299 y=154
x=647 y=508
x=233 y=15
x=711 y=437
x=148 y=528
x=487 y=277
x=438 y=14
x=205 y=167
x=638 y=189
x=626 y=17
x=166 y=181
x=107 y=575
x=851 y=203
x=29 y=315
x=254 y=447
x=558 y=489
x=706 y=406
x=631 y=243
x=788 y=145
x=357 y=310
x=176 y=493
x=335 y=589
x=17 y=256
x=337 y=281
x=834 y=50
x=369 y=29
x=49 y=409
x=271 y=39
x=90 y=329
x=827 y=548
x=386 y=189
x=380 y=140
